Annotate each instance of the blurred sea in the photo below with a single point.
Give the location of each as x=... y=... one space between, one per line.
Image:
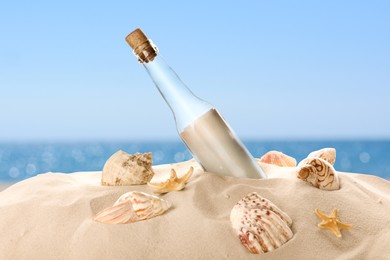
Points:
x=19 y=161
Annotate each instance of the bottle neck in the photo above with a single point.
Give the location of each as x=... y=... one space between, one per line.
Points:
x=185 y=106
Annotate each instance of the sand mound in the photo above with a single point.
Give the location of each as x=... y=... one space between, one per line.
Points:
x=50 y=216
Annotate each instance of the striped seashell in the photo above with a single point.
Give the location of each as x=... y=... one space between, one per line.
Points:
x=123 y=169
x=318 y=173
x=131 y=207
x=261 y=226
x=328 y=154
x=279 y=159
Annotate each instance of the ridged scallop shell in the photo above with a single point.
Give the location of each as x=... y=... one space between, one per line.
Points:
x=172 y=184
x=261 y=226
x=123 y=169
x=131 y=207
x=279 y=159
x=328 y=154
x=318 y=173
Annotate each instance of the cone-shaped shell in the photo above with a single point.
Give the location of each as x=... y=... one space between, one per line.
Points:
x=123 y=169
x=131 y=207
x=279 y=159
x=261 y=226
x=318 y=173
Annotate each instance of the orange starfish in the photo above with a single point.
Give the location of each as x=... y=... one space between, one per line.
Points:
x=331 y=222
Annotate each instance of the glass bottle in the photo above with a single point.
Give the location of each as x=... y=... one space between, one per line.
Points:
x=206 y=134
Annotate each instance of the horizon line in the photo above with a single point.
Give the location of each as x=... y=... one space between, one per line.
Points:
x=178 y=140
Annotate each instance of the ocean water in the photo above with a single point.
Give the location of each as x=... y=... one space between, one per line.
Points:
x=19 y=161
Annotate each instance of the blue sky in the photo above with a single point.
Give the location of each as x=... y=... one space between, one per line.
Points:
x=275 y=69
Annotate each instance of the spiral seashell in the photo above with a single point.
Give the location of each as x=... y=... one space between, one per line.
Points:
x=279 y=159
x=318 y=173
x=172 y=184
x=261 y=226
x=328 y=154
x=131 y=207
x=123 y=169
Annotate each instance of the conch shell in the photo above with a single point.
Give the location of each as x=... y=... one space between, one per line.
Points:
x=279 y=159
x=261 y=226
x=172 y=184
x=131 y=207
x=318 y=173
x=123 y=169
x=328 y=154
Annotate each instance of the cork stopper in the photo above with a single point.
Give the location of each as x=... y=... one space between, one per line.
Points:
x=142 y=47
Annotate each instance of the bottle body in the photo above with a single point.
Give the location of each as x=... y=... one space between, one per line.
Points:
x=185 y=106
x=206 y=134
x=217 y=148
x=203 y=130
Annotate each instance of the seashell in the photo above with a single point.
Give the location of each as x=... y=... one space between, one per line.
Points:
x=328 y=154
x=279 y=159
x=261 y=226
x=123 y=169
x=318 y=173
x=332 y=222
x=173 y=183
x=131 y=207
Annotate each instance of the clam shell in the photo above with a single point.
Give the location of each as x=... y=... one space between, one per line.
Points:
x=261 y=226
x=131 y=207
x=327 y=154
x=279 y=159
x=123 y=169
x=319 y=173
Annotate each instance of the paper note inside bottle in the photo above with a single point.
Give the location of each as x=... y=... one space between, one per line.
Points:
x=217 y=149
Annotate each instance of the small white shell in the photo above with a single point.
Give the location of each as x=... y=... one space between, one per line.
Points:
x=279 y=159
x=131 y=207
x=328 y=154
x=123 y=169
x=318 y=173
x=261 y=226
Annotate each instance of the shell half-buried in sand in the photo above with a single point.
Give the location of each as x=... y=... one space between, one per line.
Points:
x=172 y=184
x=261 y=226
x=318 y=173
x=279 y=159
x=131 y=207
x=123 y=169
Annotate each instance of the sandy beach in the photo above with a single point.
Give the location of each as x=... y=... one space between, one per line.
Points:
x=5 y=185
x=50 y=216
